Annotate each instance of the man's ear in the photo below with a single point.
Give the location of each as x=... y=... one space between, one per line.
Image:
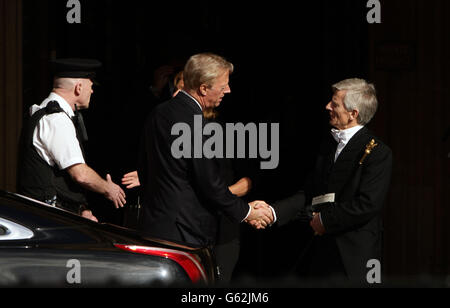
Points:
x=203 y=89
x=354 y=115
x=78 y=89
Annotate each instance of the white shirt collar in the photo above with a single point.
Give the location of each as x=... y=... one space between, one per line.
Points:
x=54 y=97
x=344 y=136
x=200 y=106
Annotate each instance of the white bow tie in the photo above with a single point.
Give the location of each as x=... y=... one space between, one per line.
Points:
x=339 y=135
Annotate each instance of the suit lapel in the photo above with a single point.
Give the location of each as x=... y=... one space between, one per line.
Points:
x=324 y=167
x=330 y=151
x=348 y=162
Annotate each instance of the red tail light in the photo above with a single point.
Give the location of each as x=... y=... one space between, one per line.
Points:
x=188 y=262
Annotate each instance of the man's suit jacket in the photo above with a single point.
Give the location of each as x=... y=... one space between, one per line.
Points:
x=182 y=197
x=354 y=221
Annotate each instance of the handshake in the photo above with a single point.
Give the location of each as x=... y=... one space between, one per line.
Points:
x=261 y=216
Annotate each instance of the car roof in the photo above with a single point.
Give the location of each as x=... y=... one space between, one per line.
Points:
x=39 y=215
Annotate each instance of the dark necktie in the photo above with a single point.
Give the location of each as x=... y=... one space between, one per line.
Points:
x=78 y=121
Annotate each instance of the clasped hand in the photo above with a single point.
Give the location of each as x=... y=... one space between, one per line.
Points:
x=260 y=216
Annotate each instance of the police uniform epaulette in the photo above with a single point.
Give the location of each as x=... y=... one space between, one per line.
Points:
x=53 y=107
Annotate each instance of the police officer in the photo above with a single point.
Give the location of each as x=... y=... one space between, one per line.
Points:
x=52 y=166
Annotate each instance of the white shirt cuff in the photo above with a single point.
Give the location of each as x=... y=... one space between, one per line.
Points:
x=274 y=217
x=248 y=214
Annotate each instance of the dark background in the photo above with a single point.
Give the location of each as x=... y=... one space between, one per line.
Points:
x=286 y=55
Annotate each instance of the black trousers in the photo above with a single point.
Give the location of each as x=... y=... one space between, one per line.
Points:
x=324 y=264
x=227 y=248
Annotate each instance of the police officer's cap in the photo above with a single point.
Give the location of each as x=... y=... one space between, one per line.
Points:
x=75 y=68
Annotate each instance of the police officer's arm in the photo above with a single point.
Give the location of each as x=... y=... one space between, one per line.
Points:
x=89 y=179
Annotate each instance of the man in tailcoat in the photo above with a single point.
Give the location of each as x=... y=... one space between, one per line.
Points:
x=346 y=191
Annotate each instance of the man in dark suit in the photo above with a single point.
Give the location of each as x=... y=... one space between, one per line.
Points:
x=347 y=189
x=183 y=195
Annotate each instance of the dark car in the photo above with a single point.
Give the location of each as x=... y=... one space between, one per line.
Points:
x=43 y=246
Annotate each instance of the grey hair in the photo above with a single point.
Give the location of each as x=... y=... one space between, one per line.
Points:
x=360 y=96
x=204 y=69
